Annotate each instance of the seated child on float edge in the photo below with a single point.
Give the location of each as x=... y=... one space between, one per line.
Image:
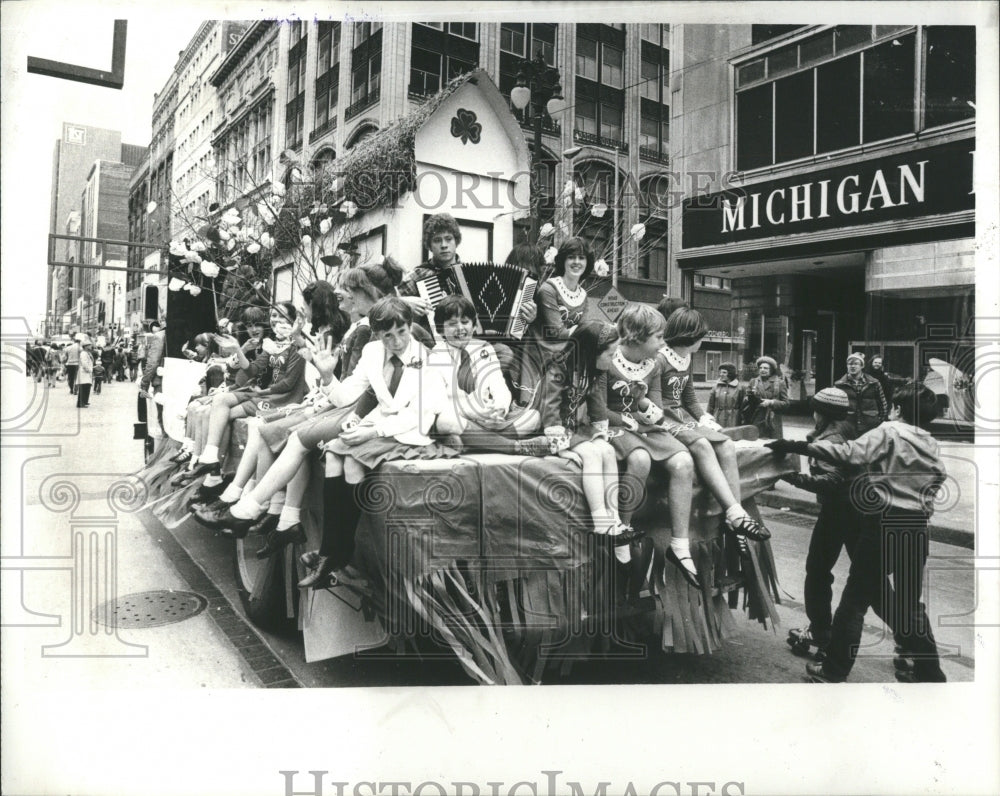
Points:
x=713 y=452
x=479 y=400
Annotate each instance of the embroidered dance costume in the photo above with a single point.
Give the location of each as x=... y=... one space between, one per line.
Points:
x=628 y=383
x=559 y=311
x=574 y=401
x=679 y=402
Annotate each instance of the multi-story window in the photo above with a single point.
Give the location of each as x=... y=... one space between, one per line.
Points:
x=600 y=95
x=243 y=154
x=654 y=121
x=654 y=204
x=429 y=70
x=520 y=41
x=658 y=34
x=365 y=30
x=296 y=106
x=441 y=52
x=851 y=85
x=366 y=67
x=328 y=78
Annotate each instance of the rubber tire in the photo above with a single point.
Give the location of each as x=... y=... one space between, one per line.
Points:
x=268 y=610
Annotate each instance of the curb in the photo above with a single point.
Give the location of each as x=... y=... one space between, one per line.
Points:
x=938 y=533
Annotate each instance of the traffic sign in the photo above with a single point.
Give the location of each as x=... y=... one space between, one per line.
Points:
x=612 y=304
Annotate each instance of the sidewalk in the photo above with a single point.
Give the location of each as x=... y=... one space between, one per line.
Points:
x=72 y=542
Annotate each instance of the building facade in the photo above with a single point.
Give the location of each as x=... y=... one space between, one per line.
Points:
x=836 y=206
x=339 y=83
x=150 y=211
x=100 y=303
x=72 y=158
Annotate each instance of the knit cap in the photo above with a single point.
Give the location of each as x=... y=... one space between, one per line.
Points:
x=831 y=401
x=858 y=356
x=769 y=361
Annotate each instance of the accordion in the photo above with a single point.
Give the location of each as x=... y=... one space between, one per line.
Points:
x=498 y=292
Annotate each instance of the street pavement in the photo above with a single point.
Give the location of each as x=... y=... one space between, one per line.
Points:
x=50 y=587
x=92 y=448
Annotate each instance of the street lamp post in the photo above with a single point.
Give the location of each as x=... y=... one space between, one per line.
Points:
x=113 y=288
x=537 y=83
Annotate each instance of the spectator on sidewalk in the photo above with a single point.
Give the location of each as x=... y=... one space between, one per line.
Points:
x=72 y=364
x=85 y=374
x=876 y=369
x=727 y=396
x=868 y=402
x=99 y=370
x=766 y=398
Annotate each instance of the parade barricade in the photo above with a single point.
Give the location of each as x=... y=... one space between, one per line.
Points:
x=490 y=556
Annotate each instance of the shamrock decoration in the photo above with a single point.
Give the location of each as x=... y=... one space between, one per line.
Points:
x=465 y=126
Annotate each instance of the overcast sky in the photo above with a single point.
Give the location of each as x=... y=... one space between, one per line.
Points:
x=34 y=108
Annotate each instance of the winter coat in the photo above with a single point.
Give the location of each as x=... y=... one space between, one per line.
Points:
x=868 y=404
x=767 y=419
x=725 y=401
x=829 y=481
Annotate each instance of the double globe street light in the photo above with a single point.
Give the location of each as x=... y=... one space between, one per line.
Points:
x=537 y=84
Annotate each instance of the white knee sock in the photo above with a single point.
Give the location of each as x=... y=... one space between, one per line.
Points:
x=289 y=517
x=210 y=455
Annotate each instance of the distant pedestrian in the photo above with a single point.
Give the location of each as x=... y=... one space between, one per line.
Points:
x=133 y=361
x=869 y=406
x=98 y=371
x=72 y=364
x=766 y=398
x=876 y=369
x=726 y=397
x=85 y=375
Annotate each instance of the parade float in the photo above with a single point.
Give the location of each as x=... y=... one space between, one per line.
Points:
x=488 y=557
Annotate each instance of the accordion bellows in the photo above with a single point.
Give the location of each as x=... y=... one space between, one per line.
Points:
x=496 y=290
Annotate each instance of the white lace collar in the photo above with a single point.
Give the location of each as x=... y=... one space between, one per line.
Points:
x=574 y=298
x=635 y=371
x=675 y=360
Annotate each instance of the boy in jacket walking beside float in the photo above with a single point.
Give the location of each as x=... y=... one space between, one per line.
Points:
x=896 y=500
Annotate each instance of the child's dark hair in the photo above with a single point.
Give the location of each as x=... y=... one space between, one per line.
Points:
x=453 y=306
x=638 y=322
x=586 y=343
x=684 y=327
x=574 y=246
x=439 y=224
x=388 y=313
x=323 y=302
x=529 y=257
x=918 y=405
x=668 y=304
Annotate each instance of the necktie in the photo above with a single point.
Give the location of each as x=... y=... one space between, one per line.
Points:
x=466 y=381
x=397 y=373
